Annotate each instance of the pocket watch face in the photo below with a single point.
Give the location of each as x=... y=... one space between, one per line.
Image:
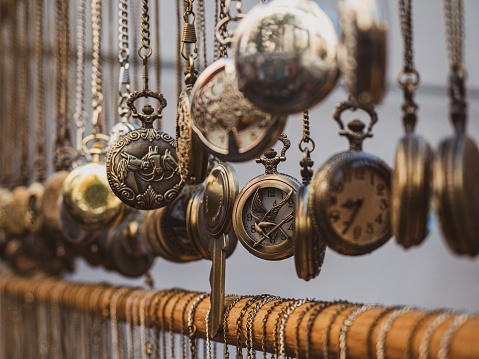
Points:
x=263 y=217
x=230 y=126
x=351 y=201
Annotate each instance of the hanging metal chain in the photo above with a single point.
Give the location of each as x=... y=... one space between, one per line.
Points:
x=222 y=48
x=134 y=43
x=454 y=20
x=145 y=49
x=65 y=65
x=306 y=139
x=454 y=24
x=202 y=32
x=111 y=93
x=97 y=94
x=216 y=51
x=40 y=140
x=124 y=58
x=306 y=163
x=80 y=118
x=178 y=65
x=408 y=77
x=24 y=92
x=158 y=48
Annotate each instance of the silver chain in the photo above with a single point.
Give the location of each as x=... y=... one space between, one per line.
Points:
x=124 y=58
x=97 y=94
x=80 y=117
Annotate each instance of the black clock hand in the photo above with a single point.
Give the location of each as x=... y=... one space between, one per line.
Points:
x=358 y=204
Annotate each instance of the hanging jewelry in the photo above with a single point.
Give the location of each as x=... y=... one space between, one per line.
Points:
x=456 y=167
x=263 y=213
x=349 y=200
x=86 y=197
x=412 y=177
x=192 y=156
x=230 y=126
x=142 y=167
x=363 y=52
x=124 y=90
x=309 y=248
x=280 y=66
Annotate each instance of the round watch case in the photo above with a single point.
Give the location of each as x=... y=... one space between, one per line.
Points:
x=192 y=156
x=249 y=207
x=370 y=178
x=456 y=193
x=411 y=188
x=226 y=123
x=309 y=247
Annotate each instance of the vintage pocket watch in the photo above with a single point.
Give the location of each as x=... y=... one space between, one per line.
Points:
x=349 y=198
x=363 y=52
x=86 y=196
x=264 y=210
x=286 y=55
x=142 y=167
x=456 y=171
x=192 y=156
x=309 y=246
x=165 y=230
x=230 y=126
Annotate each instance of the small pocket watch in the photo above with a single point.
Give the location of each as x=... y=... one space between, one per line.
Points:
x=309 y=246
x=192 y=156
x=363 y=52
x=264 y=210
x=142 y=167
x=349 y=197
x=231 y=127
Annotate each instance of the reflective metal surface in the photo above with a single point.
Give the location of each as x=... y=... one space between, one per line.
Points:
x=363 y=52
x=88 y=199
x=286 y=55
x=230 y=126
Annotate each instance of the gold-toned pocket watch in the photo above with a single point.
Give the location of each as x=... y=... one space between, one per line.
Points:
x=363 y=52
x=264 y=210
x=412 y=176
x=229 y=125
x=309 y=247
x=349 y=198
x=142 y=167
x=456 y=168
x=192 y=155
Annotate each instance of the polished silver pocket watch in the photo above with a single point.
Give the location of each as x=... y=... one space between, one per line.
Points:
x=263 y=214
x=349 y=198
x=286 y=55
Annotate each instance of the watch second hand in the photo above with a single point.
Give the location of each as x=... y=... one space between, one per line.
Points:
x=348 y=224
x=288 y=218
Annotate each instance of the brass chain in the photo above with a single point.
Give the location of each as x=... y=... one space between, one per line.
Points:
x=40 y=140
x=178 y=65
x=145 y=42
x=202 y=32
x=454 y=25
x=298 y=325
x=97 y=92
x=80 y=118
x=265 y=321
x=223 y=48
x=192 y=329
x=124 y=89
x=158 y=48
x=372 y=326
x=239 y=323
x=225 y=323
x=111 y=107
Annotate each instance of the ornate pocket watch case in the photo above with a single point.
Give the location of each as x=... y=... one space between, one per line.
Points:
x=118 y=131
x=264 y=210
x=230 y=126
x=456 y=170
x=309 y=247
x=142 y=167
x=411 y=188
x=286 y=55
x=350 y=194
x=192 y=156
x=165 y=230
x=363 y=52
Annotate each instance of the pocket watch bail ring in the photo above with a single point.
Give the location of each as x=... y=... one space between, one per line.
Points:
x=97 y=149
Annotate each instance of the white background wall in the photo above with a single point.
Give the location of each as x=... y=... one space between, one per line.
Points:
x=429 y=276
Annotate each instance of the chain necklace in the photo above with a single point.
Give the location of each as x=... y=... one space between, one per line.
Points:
x=142 y=167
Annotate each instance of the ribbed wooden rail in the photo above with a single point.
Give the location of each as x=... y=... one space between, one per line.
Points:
x=96 y=299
